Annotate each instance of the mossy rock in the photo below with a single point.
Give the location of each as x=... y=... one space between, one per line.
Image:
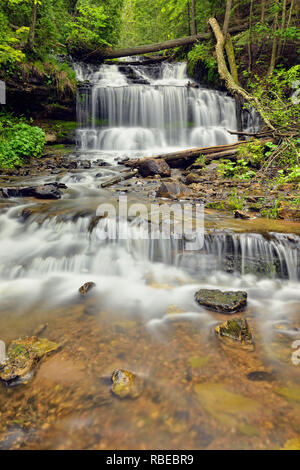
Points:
x=222 y=302
x=126 y=384
x=22 y=357
x=235 y=329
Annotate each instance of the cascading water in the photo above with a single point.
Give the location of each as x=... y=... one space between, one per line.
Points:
x=167 y=112
x=131 y=318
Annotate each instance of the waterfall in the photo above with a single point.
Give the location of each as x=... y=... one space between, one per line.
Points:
x=165 y=112
x=35 y=247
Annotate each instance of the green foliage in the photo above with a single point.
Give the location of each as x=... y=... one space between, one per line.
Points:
x=278 y=97
x=238 y=169
x=86 y=27
x=18 y=142
x=252 y=152
x=236 y=202
x=203 y=52
x=272 y=213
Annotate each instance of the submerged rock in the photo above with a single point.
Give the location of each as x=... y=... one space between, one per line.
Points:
x=83 y=290
x=236 y=329
x=126 y=384
x=153 y=167
x=222 y=302
x=23 y=356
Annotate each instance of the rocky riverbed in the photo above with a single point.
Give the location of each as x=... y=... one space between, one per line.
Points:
x=140 y=363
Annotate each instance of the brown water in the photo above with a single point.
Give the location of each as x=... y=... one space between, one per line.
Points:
x=198 y=393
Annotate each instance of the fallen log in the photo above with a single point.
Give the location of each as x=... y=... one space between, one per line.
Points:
x=184 y=158
x=161 y=46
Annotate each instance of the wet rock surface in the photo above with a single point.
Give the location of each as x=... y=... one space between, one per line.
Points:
x=154 y=167
x=87 y=287
x=126 y=384
x=46 y=191
x=222 y=302
x=23 y=356
x=172 y=190
x=235 y=329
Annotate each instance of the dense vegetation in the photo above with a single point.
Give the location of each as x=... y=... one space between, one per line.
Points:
x=260 y=46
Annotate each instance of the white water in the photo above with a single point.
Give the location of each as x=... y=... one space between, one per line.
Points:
x=43 y=261
x=117 y=115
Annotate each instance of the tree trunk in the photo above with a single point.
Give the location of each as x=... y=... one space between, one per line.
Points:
x=113 y=54
x=32 y=24
x=263 y=7
x=283 y=17
x=250 y=37
x=231 y=58
x=184 y=158
x=193 y=18
x=289 y=21
x=231 y=85
x=227 y=18
x=274 y=45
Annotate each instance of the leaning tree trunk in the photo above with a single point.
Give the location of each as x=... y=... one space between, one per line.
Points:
x=225 y=75
x=32 y=24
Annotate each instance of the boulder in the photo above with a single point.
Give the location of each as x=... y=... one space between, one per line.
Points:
x=172 y=190
x=126 y=384
x=192 y=178
x=46 y=191
x=222 y=302
x=236 y=329
x=23 y=356
x=83 y=290
x=153 y=167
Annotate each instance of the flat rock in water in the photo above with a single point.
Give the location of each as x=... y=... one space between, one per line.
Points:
x=236 y=329
x=172 y=190
x=222 y=302
x=83 y=290
x=153 y=167
x=46 y=191
x=23 y=356
x=126 y=384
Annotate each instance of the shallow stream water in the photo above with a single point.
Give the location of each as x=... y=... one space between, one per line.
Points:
x=141 y=316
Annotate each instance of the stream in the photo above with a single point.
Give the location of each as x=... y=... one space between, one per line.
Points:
x=141 y=315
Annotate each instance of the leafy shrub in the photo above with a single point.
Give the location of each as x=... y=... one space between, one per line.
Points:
x=203 y=53
x=236 y=202
x=238 y=169
x=85 y=30
x=19 y=142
